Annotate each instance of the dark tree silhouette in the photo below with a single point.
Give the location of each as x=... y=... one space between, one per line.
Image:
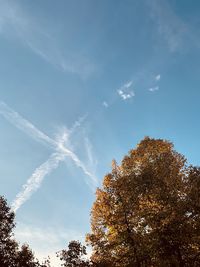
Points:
x=8 y=246
x=10 y=253
x=25 y=257
x=74 y=255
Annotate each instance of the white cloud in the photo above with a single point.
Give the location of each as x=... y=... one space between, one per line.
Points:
x=34 y=182
x=153 y=89
x=105 y=104
x=124 y=92
x=158 y=77
x=126 y=96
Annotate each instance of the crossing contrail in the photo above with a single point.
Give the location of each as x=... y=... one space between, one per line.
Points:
x=61 y=152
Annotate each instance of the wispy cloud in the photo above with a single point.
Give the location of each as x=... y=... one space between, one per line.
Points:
x=15 y=22
x=77 y=124
x=128 y=84
x=125 y=91
x=105 y=104
x=153 y=89
x=155 y=81
x=169 y=25
x=58 y=145
x=46 y=241
x=158 y=77
x=90 y=155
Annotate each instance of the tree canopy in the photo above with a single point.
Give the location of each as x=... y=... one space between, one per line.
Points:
x=74 y=255
x=147 y=212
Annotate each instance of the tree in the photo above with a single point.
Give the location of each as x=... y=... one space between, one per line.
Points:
x=148 y=210
x=46 y=263
x=25 y=257
x=74 y=255
x=10 y=254
x=8 y=246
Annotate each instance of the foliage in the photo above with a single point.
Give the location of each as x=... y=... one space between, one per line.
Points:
x=74 y=255
x=10 y=254
x=148 y=210
x=25 y=257
x=7 y=244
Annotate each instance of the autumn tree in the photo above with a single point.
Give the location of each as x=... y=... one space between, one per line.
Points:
x=74 y=255
x=147 y=212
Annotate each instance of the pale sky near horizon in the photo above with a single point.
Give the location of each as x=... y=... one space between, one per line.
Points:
x=81 y=83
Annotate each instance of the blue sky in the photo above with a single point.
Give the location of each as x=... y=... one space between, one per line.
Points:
x=93 y=78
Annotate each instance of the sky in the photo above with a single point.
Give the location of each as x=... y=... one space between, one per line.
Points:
x=81 y=83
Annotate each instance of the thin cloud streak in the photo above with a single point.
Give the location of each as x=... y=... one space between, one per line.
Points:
x=34 y=182
x=18 y=121
x=90 y=155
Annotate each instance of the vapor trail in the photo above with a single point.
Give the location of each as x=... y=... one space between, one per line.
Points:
x=27 y=127
x=62 y=149
x=18 y=121
x=35 y=180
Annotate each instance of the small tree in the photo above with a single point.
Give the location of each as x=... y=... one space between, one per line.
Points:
x=74 y=255
x=46 y=263
x=26 y=258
